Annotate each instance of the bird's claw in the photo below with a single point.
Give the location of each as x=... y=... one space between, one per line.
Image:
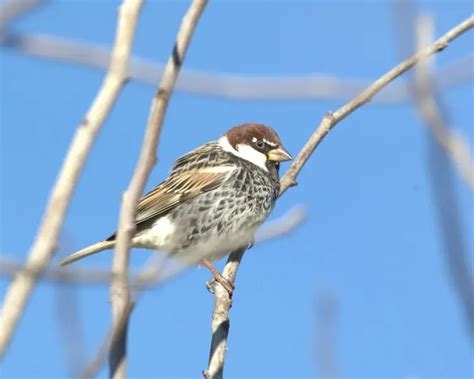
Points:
x=218 y=278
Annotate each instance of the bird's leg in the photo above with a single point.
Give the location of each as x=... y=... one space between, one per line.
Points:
x=217 y=277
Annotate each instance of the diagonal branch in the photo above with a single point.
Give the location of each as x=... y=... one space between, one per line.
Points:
x=332 y=119
x=44 y=246
x=119 y=291
x=222 y=302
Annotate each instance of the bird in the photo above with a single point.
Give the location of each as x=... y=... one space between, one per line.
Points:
x=213 y=201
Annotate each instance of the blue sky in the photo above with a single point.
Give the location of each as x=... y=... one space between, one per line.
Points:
x=372 y=238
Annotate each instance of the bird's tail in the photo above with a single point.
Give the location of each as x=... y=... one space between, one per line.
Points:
x=89 y=250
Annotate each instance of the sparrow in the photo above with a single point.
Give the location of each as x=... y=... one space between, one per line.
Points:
x=213 y=200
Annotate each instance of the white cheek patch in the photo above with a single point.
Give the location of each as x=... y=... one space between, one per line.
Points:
x=246 y=152
x=252 y=155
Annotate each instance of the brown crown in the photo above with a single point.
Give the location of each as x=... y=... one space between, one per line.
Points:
x=246 y=132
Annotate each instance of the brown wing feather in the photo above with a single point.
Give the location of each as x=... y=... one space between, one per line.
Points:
x=190 y=176
x=177 y=189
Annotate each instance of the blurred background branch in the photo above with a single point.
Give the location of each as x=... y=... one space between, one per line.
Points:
x=407 y=25
x=447 y=150
x=327 y=311
x=11 y=9
x=70 y=327
x=454 y=151
x=232 y=86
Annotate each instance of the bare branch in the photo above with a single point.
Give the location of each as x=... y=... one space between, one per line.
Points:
x=227 y=85
x=454 y=143
x=43 y=248
x=120 y=296
x=429 y=107
x=332 y=119
x=222 y=302
x=114 y=337
x=119 y=292
x=220 y=322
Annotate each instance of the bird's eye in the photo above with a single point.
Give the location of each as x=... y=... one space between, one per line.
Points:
x=260 y=144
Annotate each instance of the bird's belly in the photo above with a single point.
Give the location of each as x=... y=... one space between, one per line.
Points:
x=189 y=248
x=209 y=226
x=214 y=247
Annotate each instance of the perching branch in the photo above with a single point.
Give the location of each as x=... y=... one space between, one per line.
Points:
x=222 y=302
x=120 y=295
x=44 y=246
x=220 y=323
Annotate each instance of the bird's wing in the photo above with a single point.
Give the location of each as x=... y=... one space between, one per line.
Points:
x=178 y=188
x=191 y=175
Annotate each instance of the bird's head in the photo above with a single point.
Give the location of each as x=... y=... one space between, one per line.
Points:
x=256 y=143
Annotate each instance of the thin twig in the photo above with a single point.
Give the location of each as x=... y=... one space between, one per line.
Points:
x=222 y=303
x=332 y=119
x=227 y=85
x=120 y=296
x=44 y=246
x=429 y=106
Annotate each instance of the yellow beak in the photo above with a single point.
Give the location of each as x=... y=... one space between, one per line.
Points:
x=279 y=155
